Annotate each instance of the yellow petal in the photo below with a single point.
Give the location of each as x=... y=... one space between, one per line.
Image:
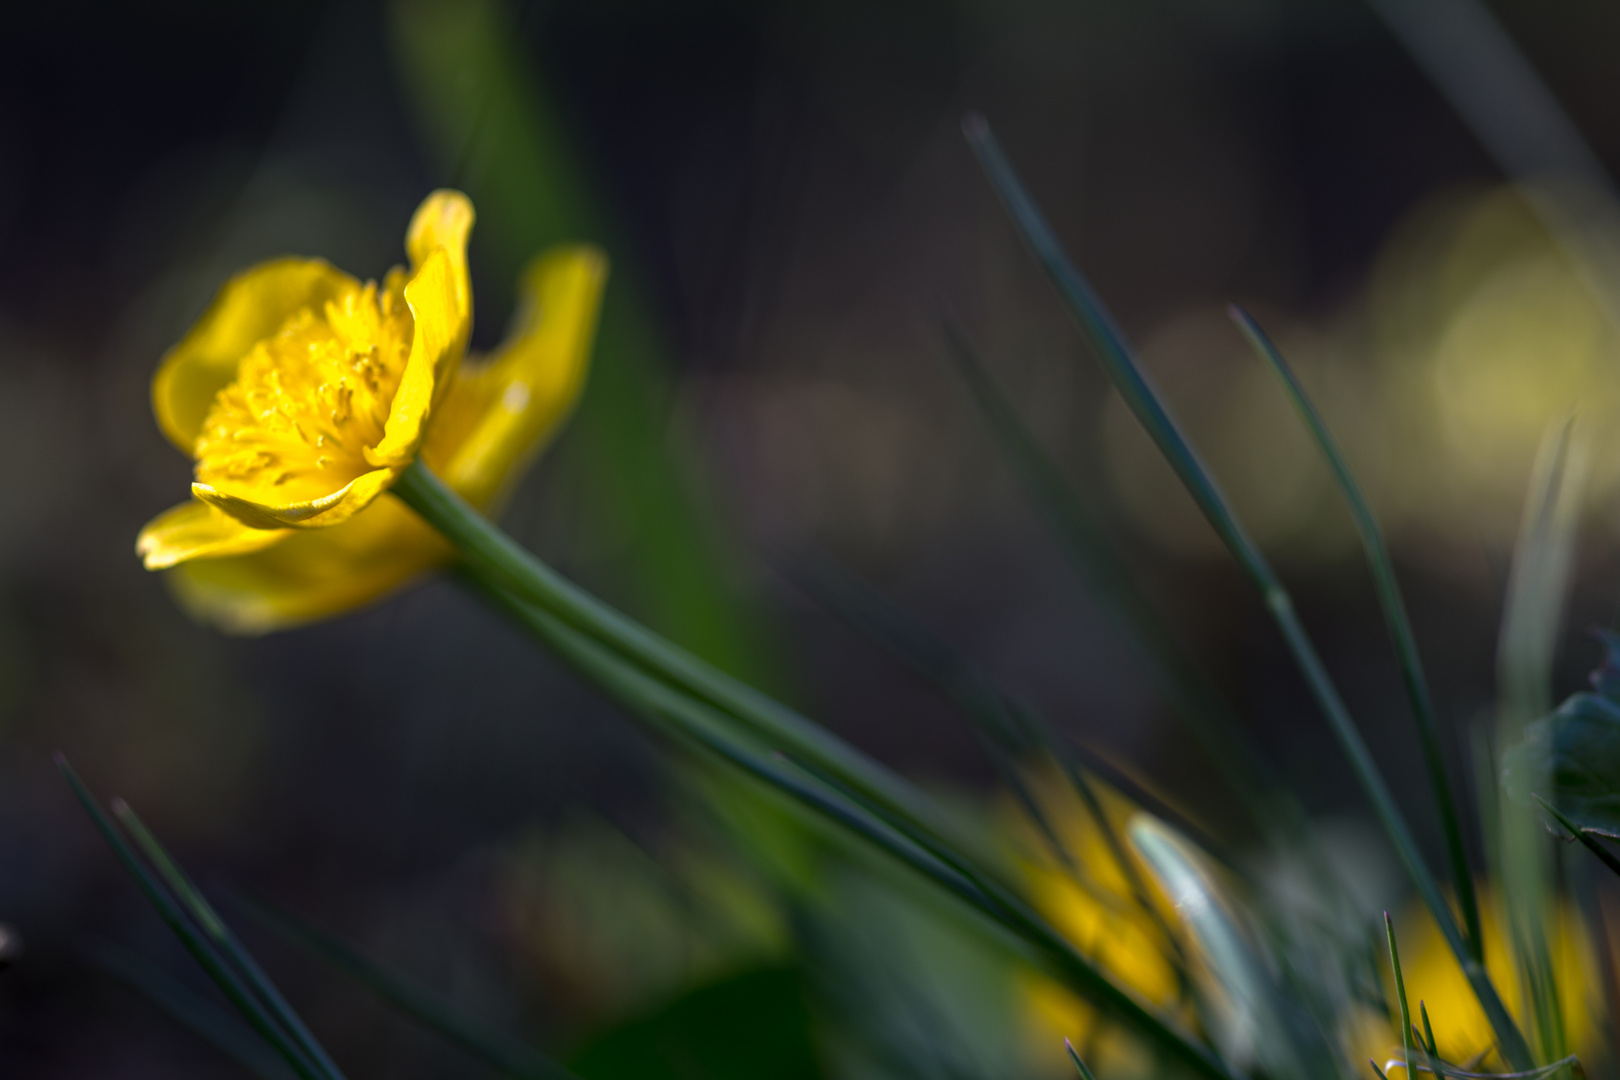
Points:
x=444 y=220
x=436 y=348
x=314 y=574
x=324 y=512
x=195 y=530
x=250 y=307
x=502 y=413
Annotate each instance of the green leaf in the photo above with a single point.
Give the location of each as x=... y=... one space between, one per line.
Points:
x=1575 y=752
x=750 y=1025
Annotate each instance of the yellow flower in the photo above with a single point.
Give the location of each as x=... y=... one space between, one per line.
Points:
x=302 y=394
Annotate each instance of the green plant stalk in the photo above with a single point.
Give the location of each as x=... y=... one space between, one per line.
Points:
x=1396 y=618
x=207 y=918
x=466 y=1030
x=1109 y=344
x=196 y=944
x=689 y=719
x=504 y=564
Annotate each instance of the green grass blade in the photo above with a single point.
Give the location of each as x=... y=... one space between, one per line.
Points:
x=1106 y=576
x=692 y=721
x=1079 y=1065
x=223 y=937
x=194 y=941
x=202 y=1017
x=1398 y=622
x=1428 y=1031
x=1128 y=377
x=1009 y=728
x=1538 y=584
x=1400 y=996
x=1590 y=842
x=461 y=1027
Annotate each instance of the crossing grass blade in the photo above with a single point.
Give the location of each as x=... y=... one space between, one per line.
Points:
x=223 y=937
x=1604 y=855
x=1413 y=679
x=196 y=943
x=1012 y=730
x=191 y=1010
x=465 y=1029
x=696 y=723
x=1109 y=344
x=1192 y=699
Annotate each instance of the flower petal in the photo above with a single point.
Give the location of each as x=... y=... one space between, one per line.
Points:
x=195 y=530
x=314 y=574
x=444 y=220
x=436 y=345
x=502 y=413
x=323 y=512
x=250 y=307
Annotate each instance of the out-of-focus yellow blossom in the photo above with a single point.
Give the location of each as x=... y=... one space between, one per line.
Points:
x=1096 y=910
x=1461 y=1031
x=303 y=393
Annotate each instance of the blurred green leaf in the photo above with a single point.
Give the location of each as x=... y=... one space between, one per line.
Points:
x=1575 y=752
x=750 y=1025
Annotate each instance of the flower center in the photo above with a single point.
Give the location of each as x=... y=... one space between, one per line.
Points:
x=309 y=400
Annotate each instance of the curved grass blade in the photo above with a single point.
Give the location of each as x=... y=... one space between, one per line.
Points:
x=1604 y=855
x=466 y=1029
x=1185 y=688
x=202 y=1017
x=1395 y=617
x=1108 y=342
x=1009 y=729
x=694 y=722
x=224 y=938
x=195 y=942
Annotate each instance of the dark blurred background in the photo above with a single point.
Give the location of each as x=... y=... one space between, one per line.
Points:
x=791 y=210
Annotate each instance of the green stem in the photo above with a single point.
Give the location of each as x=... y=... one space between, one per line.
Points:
x=1400 y=627
x=1108 y=341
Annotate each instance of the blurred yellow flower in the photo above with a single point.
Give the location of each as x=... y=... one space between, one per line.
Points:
x=302 y=394
x=1461 y=1032
x=1096 y=909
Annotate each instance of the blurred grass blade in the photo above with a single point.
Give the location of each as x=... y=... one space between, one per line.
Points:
x=1188 y=692
x=1079 y=1065
x=1128 y=377
x=1514 y=114
x=1538 y=585
x=1011 y=730
x=212 y=925
x=1395 y=617
x=1591 y=843
x=1288 y=1044
x=208 y=1021
x=1400 y=998
x=460 y=1026
x=194 y=941
x=694 y=722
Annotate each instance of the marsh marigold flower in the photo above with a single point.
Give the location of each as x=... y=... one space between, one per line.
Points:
x=303 y=393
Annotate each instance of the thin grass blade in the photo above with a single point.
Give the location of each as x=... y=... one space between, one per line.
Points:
x=1395 y=617
x=1105 y=574
x=1079 y=1065
x=466 y=1029
x=202 y=1017
x=1109 y=343
x=1400 y=997
x=215 y=927
x=194 y=940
